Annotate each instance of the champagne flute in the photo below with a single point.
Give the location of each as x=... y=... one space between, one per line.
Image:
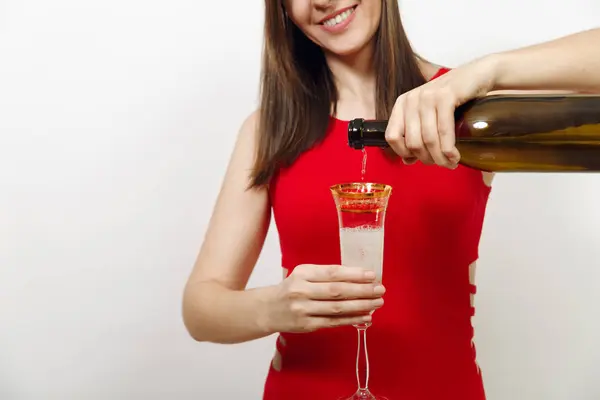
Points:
x=361 y=213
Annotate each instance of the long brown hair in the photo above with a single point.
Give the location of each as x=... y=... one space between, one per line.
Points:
x=297 y=89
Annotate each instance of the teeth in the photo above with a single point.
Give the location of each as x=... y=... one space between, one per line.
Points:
x=339 y=18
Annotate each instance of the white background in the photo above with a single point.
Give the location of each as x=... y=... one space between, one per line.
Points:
x=117 y=118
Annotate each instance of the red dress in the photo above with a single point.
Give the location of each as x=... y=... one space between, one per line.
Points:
x=420 y=344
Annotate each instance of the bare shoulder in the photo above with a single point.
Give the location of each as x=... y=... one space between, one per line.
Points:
x=428 y=69
x=244 y=151
x=242 y=157
x=249 y=127
x=250 y=123
x=240 y=214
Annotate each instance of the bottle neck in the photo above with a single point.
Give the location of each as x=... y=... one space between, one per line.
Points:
x=366 y=133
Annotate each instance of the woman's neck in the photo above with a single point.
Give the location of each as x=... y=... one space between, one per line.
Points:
x=355 y=80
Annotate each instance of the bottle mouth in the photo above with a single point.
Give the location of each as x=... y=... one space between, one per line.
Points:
x=355 y=136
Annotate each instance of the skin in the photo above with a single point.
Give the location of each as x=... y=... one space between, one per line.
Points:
x=216 y=306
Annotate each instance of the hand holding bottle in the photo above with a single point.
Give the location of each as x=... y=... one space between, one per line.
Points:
x=421 y=125
x=323 y=296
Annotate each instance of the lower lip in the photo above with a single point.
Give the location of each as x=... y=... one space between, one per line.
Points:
x=341 y=26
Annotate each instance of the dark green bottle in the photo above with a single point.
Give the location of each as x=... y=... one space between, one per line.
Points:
x=516 y=133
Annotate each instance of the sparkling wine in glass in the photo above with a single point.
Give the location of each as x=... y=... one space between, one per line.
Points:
x=361 y=213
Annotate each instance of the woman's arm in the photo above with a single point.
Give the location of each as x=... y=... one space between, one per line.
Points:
x=570 y=63
x=421 y=124
x=216 y=307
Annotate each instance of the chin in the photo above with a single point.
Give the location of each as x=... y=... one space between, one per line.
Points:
x=354 y=29
x=348 y=43
x=346 y=49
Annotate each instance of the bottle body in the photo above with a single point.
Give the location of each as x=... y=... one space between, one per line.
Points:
x=516 y=133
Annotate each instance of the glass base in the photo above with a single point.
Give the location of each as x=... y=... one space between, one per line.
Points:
x=363 y=394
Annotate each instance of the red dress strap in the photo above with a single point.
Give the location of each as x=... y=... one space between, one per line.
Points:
x=440 y=72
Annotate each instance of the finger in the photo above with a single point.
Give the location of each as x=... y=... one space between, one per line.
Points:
x=412 y=130
x=410 y=160
x=344 y=290
x=337 y=273
x=446 y=123
x=429 y=130
x=394 y=133
x=343 y=307
x=334 y=322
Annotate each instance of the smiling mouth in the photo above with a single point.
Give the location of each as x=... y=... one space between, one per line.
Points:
x=338 y=19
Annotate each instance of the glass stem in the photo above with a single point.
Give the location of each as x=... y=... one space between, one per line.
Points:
x=362 y=360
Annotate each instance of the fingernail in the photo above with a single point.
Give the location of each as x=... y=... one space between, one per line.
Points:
x=378 y=303
x=366 y=318
x=379 y=289
x=369 y=275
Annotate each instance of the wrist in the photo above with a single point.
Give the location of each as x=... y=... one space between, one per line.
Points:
x=265 y=320
x=487 y=72
x=496 y=64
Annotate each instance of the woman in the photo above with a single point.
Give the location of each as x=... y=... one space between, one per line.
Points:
x=326 y=62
